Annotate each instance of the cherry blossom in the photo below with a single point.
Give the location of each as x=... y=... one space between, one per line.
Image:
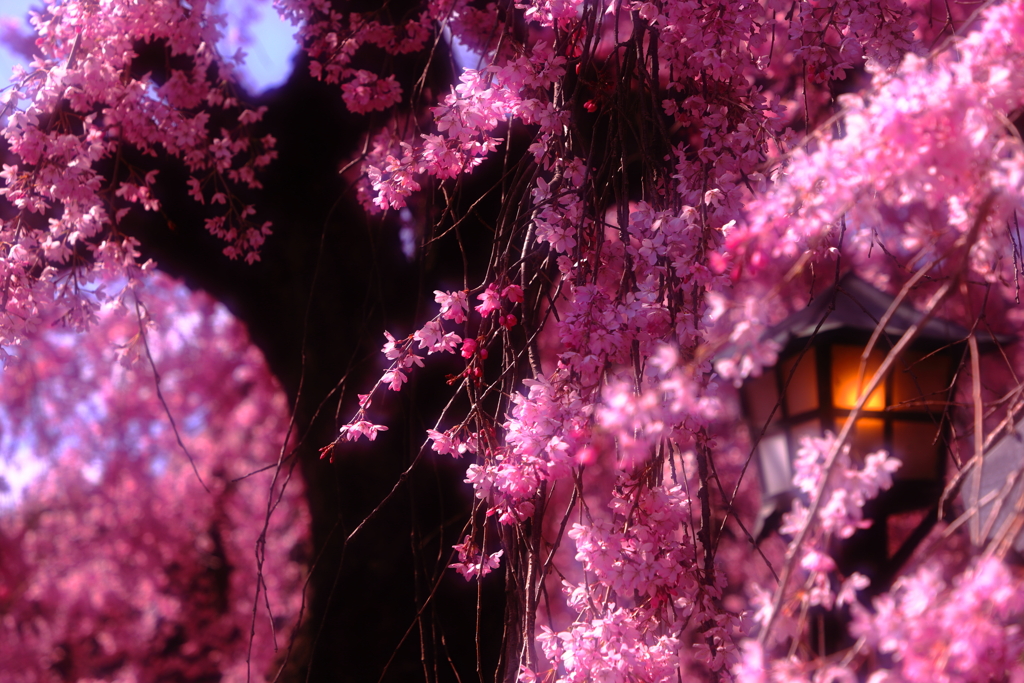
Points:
x=675 y=178
x=129 y=558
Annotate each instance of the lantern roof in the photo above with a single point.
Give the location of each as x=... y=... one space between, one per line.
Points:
x=859 y=306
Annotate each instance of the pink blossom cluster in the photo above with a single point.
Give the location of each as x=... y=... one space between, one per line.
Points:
x=962 y=631
x=434 y=338
x=697 y=43
x=644 y=597
x=712 y=51
x=332 y=38
x=833 y=36
x=509 y=488
x=402 y=359
x=117 y=564
x=490 y=302
x=927 y=627
x=551 y=13
x=839 y=492
x=473 y=25
x=391 y=173
x=85 y=100
x=472 y=562
x=366 y=92
x=923 y=157
x=544 y=430
x=557 y=210
x=843 y=490
x=670 y=409
x=465 y=121
x=454 y=442
x=742 y=323
x=665 y=301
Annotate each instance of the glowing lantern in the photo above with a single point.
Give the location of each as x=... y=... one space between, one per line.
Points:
x=818 y=381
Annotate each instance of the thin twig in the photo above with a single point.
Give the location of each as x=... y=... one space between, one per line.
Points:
x=160 y=395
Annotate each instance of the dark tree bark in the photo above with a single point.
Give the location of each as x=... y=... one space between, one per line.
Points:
x=330 y=281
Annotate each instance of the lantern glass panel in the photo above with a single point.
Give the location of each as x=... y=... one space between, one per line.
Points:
x=921 y=382
x=845 y=372
x=775 y=469
x=916 y=444
x=802 y=393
